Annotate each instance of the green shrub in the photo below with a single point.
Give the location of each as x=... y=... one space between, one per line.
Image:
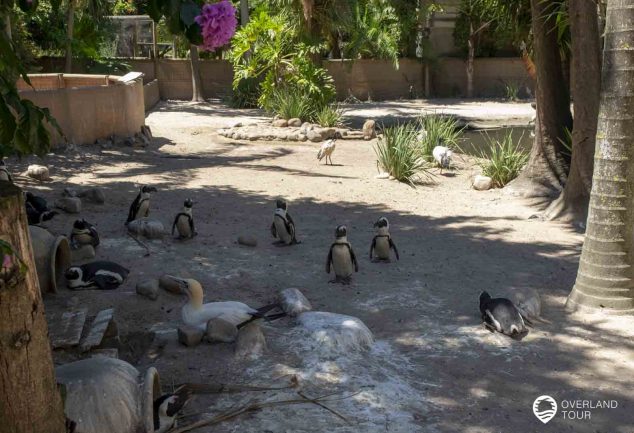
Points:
x=439 y=131
x=245 y=94
x=328 y=115
x=289 y=103
x=398 y=155
x=504 y=161
x=511 y=91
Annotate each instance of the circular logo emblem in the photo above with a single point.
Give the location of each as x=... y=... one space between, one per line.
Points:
x=545 y=408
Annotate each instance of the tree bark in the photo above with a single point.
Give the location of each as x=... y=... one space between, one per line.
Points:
x=244 y=12
x=470 y=61
x=572 y=203
x=197 y=85
x=29 y=399
x=70 y=25
x=605 y=279
x=547 y=168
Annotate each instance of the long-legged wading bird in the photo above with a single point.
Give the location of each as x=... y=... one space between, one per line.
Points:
x=327 y=149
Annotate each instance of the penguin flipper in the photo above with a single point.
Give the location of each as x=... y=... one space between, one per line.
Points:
x=94 y=235
x=174 y=224
x=492 y=321
x=329 y=260
x=393 y=246
x=105 y=282
x=353 y=257
x=372 y=246
x=133 y=208
x=273 y=230
x=191 y=226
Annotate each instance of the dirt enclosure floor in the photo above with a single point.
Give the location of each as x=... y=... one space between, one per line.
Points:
x=432 y=368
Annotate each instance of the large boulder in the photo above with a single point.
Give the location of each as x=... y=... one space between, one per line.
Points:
x=147 y=227
x=332 y=332
x=221 y=331
x=38 y=172
x=293 y=302
x=251 y=343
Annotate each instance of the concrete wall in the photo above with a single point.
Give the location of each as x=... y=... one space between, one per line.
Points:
x=151 y=94
x=88 y=107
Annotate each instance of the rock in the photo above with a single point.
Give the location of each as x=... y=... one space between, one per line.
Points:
x=482 y=183
x=383 y=175
x=108 y=353
x=38 y=172
x=251 y=342
x=236 y=125
x=84 y=252
x=253 y=137
x=369 y=129
x=189 y=336
x=95 y=195
x=314 y=136
x=293 y=302
x=280 y=123
x=70 y=192
x=65 y=330
x=148 y=288
x=328 y=133
x=302 y=137
x=248 y=240
x=336 y=332
x=103 y=326
x=342 y=132
x=391 y=177
x=169 y=285
x=295 y=122
x=147 y=227
x=221 y=331
x=68 y=204
x=306 y=126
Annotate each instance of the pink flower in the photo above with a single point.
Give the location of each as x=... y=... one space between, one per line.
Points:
x=218 y=23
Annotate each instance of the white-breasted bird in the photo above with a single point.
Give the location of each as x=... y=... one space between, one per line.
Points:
x=382 y=243
x=168 y=406
x=184 y=221
x=442 y=156
x=501 y=315
x=283 y=226
x=196 y=314
x=341 y=257
x=140 y=207
x=84 y=233
x=327 y=148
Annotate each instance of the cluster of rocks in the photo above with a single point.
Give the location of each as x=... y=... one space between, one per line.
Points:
x=141 y=139
x=286 y=130
x=69 y=331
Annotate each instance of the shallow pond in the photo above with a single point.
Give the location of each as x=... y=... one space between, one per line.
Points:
x=475 y=141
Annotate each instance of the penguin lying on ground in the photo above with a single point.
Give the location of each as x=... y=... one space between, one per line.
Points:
x=501 y=315
x=283 y=226
x=382 y=242
x=83 y=233
x=37 y=210
x=197 y=314
x=168 y=406
x=184 y=221
x=342 y=258
x=140 y=207
x=102 y=275
x=4 y=172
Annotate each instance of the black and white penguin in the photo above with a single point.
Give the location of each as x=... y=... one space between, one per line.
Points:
x=184 y=221
x=83 y=233
x=382 y=243
x=37 y=210
x=341 y=257
x=4 y=172
x=501 y=315
x=102 y=275
x=140 y=207
x=283 y=226
x=167 y=407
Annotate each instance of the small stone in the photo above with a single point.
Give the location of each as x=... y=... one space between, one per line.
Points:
x=280 y=123
x=342 y=132
x=70 y=192
x=148 y=288
x=221 y=331
x=482 y=183
x=147 y=227
x=95 y=195
x=295 y=121
x=167 y=283
x=314 y=136
x=251 y=342
x=107 y=353
x=383 y=175
x=190 y=336
x=391 y=177
x=369 y=131
x=68 y=204
x=84 y=252
x=38 y=172
x=236 y=125
x=302 y=137
x=306 y=125
x=293 y=302
x=248 y=240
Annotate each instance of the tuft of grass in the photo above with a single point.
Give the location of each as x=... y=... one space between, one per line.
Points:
x=328 y=115
x=289 y=104
x=438 y=130
x=397 y=153
x=511 y=91
x=504 y=161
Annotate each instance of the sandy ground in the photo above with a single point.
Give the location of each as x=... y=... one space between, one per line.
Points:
x=433 y=368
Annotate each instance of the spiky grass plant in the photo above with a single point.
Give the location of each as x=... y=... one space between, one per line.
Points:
x=328 y=115
x=289 y=104
x=438 y=130
x=504 y=161
x=397 y=153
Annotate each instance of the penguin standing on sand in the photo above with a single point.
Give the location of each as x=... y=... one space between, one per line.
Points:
x=96 y=275
x=341 y=257
x=501 y=315
x=283 y=226
x=168 y=406
x=4 y=172
x=184 y=221
x=382 y=243
x=37 y=210
x=83 y=233
x=140 y=207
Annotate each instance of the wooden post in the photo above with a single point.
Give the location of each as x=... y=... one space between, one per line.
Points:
x=29 y=399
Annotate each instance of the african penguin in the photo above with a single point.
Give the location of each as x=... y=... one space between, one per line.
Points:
x=4 y=172
x=83 y=233
x=37 y=210
x=167 y=407
x=501 y=315
x=140 y=207
x=197 y=314
x=283 y=226
x=382 y=243
x=341 y=257
x=184 y=221
x=102 y=275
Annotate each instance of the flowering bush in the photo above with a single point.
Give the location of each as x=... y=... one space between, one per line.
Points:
x=218 y=23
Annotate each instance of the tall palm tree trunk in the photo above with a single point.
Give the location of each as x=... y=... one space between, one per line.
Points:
x=70 y=25
x=197 y=85
x=605 y=278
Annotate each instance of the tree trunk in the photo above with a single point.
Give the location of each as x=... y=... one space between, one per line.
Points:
x=572 y=204
x=7 y=27
x=470 y=61
x=605 y=279
x=29 y=399
x=70 y=25
x=547 y=168
x=244 y=12
x=197 y=85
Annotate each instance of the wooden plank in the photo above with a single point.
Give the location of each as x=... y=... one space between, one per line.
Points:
x=65 y=330
x=102 y=323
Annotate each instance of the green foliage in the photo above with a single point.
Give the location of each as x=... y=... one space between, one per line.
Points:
x=245 y=95
x=439 y=131
x=125 y=7
x=504 y=160
x=511 y=91
x=288 y=104
x=397 y=153
x=179 y=17
x=328 y=115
